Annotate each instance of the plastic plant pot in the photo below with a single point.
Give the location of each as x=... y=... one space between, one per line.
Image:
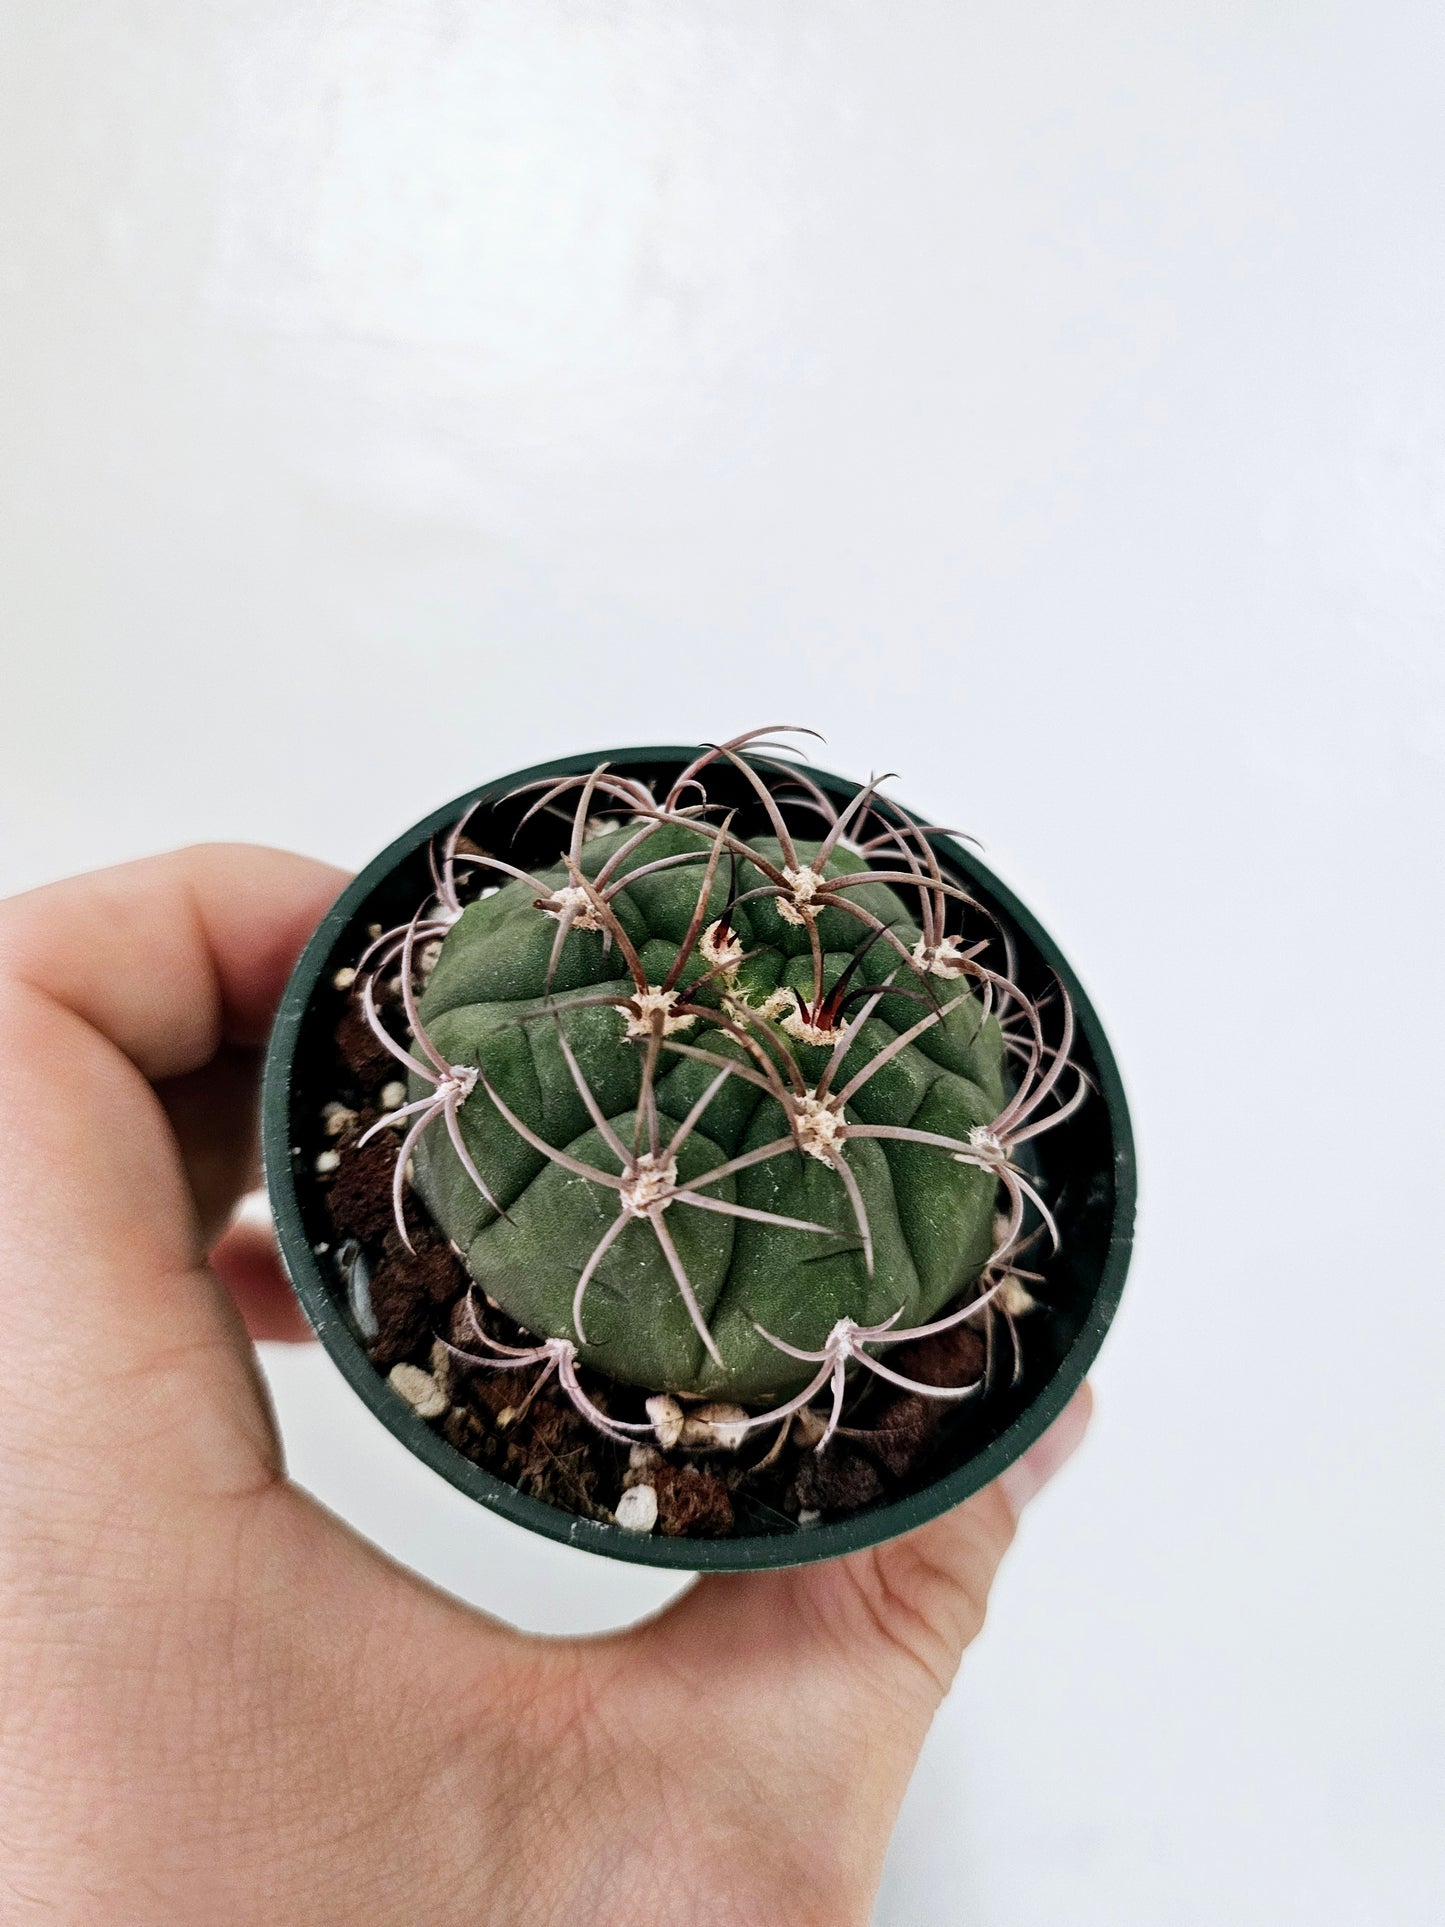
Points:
x=1087 y=1163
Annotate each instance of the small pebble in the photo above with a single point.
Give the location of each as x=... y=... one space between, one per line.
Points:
x=356 y=1274
x=642 y=1462
x=637 y=1509
x=807 y=1517
x=420 y=1390
x=667 y=1420
x=336 y=1118
x=328 y=1161
x=1015 y=1297
x=344 y=978
x=808 y=1427
x=441 y=1367
x=722 y=1427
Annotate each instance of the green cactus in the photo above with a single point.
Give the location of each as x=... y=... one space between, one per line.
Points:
x=720 y=1114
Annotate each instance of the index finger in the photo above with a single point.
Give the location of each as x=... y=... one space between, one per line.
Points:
x=169 y=957
x=108 y=982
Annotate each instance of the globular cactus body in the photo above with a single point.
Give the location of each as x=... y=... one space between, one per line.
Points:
x=723 y=1117
x=488 y=1004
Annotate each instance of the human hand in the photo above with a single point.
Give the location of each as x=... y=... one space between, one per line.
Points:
x=217 y=1703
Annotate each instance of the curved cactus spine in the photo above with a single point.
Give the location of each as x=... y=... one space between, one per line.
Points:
x=797 y=1041
x=991 y=1146
x=801 y=891
x=847 y=1345
x=937 y=952
x=452 y=1085
x=444 y=873
x=429 y=924
x=557 y=1355
x=753 y=739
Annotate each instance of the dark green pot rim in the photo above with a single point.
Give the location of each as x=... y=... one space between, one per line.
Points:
x=824 y=1541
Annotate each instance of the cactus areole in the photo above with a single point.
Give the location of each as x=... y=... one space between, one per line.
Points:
x=731 y=1091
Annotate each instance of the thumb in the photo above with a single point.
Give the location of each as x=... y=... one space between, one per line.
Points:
x=907 y=1609
x=830 y=1674
x=162 y=973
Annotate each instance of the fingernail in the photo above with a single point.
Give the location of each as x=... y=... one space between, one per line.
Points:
x=1028 y=1476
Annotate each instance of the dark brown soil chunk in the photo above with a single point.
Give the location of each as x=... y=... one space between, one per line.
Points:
x=837 y=1479
x=431 y=1267
x=463 y=1429
x=554 y=1460
x=359 y=1194
x=492 y=1393
x=903 y=1432
x=473 y=1435
x=462 y=1334
x=405 y=1317
x=691 y=1501
x=363 y=1052
x=903 y=1428
x=953 y=1357
x=489 y=1390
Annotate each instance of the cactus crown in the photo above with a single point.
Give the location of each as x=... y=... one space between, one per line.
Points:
x=721 y=1116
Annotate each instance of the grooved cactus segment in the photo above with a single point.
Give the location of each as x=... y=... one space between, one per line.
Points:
x=724 y=1115
x=930 y=1218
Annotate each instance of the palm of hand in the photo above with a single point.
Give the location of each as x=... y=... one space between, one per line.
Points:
x=218 y=1704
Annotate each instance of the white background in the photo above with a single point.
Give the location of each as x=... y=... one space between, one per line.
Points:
x=1045 y=401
